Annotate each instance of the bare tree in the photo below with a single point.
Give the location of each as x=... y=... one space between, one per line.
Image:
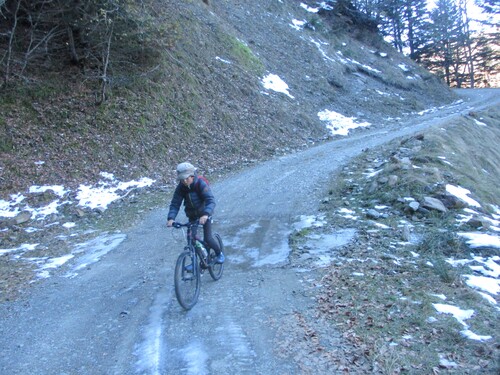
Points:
x=105 y=66
x=12 y=33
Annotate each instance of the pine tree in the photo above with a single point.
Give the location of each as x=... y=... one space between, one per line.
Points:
x=392 y=24
x=489 y=6
x=440 y=55
x=415 y=18
x=403 y=21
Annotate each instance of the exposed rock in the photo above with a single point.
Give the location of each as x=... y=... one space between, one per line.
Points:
x=423 y=211
x=478 y=222
x=393 y=180
x=434 y=204
x=451 y=201
x=405 y=163
x=394 y=167
x=22 y=217
x=406 y=235
x=372 y=214
x=373 y=187
x=414 y=205
x=394 y=159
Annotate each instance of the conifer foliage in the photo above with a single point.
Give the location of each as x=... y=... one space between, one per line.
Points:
x=443 y=36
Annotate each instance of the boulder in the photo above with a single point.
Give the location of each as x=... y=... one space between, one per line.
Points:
x=406 y=234
x=373 y=187
x=434 y=204
x=393 y=180
x=479 y=222
x=414 y=206
x=372 y=214
x=22 y=217
x=451 y=201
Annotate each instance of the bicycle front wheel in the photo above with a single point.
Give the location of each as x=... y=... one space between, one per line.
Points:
x=187 y=280
x=214 y=268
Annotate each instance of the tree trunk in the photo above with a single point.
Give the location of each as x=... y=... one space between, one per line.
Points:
x=10 y=46
x=72 y=48
x=468 y=45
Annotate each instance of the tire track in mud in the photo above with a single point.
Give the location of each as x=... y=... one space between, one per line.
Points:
x=235 y=341
x=229 y=349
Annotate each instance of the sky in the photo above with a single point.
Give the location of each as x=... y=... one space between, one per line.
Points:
x=485 y=271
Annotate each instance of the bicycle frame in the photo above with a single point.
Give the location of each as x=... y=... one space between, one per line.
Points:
x=190 y=265
x=191 y=239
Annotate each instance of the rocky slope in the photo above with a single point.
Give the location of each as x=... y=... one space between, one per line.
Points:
x=416 y=249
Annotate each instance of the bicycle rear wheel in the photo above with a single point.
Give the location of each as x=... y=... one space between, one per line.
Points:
x=214 y=268
x=187 y=280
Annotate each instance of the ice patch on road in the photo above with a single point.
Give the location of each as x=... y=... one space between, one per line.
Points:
x=149 y=352
x=249 y=230
x=309 y=221
x=278 y=255
x=46 y=264
x=265 y=242
x=95 y=249
x=321 y=246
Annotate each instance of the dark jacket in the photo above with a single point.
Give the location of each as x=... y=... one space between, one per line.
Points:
x=197 y=197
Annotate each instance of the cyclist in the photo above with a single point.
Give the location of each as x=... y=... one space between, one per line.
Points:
x=199 y=203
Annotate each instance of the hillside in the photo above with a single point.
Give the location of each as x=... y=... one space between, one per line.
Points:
x=203 y=98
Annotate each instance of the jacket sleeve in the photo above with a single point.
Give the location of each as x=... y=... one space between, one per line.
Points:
x=208 y=198
x=175 y=204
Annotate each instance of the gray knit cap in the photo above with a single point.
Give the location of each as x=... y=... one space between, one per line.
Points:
x=184 y=170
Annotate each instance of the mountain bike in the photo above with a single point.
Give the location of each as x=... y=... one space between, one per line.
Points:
x=192 y=262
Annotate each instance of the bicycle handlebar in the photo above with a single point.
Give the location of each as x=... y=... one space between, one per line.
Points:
x=178 y=225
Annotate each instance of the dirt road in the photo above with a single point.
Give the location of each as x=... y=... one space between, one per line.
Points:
x=120 y=316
